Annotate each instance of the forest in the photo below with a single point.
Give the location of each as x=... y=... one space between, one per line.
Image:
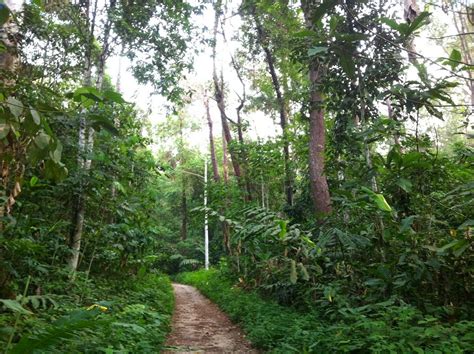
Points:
x=307 y=165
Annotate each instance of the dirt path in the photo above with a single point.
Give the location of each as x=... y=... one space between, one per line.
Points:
x=200 y=327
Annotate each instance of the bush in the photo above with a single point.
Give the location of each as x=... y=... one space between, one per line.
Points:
x=96 y=314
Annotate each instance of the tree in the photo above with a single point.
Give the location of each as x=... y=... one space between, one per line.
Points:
x=318 y=181
x=264 y=41
x=212 y=149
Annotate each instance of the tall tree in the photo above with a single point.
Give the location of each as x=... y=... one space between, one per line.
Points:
x=264 y=42
x=219 y=94
x=317 y=135
x=86 y=131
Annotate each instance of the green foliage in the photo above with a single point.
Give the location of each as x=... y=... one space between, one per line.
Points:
x=99 y=314
x=379 y=327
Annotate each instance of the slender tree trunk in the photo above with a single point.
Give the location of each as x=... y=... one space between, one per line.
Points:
x=184 y=211
x=410 y=13
x=215 y=169
x=225 y=161
x=86 y=133
x=319 y=185
x=282 y=107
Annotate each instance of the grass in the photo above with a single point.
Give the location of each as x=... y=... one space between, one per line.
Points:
x=378 y=328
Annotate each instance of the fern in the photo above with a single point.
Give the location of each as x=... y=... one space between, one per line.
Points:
x=64 y=328
x=186 y=262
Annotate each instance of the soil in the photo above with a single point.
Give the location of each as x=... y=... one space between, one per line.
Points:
x=199 y=326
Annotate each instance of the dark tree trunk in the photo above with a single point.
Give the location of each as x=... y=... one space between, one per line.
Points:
x=319 y=185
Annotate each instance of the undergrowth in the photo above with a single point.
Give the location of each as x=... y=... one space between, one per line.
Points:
x=387 y=327
x=100 y=315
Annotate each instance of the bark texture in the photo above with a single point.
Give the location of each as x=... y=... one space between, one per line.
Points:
x=317 y=136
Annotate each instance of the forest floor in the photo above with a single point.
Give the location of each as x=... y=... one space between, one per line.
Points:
x=198 y=325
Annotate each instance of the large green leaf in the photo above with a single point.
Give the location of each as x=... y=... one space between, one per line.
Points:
x=381 y=202
x=36 y=116
x=379 y=199
x=15 y=306
x=113 y=96
x=42 y=140
x=15 y=106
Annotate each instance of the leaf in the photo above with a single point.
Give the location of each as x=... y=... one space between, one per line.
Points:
x=406 y=223
x=55 y=171
x=56 y=154
x=114 y=96
x=420 y=21
x=120 y=187
x=136 y=328
x=304 y=271
x=347 y=64
x=454 y=58
x=87 y=92
x=100 y=122
x=379 y=199
x=36 y=116
x=381 y=202
x=405 y=184
x=15 y=306
x=391 y=23
x=283 y=231
x=316 y=50
x=460 y=247
x=42 y=140
x=4 y=14
x=16 y=107
x=33 y=181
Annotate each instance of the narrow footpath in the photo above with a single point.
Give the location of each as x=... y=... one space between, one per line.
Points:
x=199 y=326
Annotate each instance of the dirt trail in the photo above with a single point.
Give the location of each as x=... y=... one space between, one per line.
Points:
x=200 y=327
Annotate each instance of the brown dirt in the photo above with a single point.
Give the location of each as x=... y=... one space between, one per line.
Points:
x=199 y=326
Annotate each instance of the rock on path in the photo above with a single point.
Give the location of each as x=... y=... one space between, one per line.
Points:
x=199 y=326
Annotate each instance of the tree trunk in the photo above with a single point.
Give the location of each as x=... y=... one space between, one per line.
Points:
x=225 y=162
x=318 y=182
x=86 y=133
x=184 y=211
x=220 y=98
x=215 y=169
x=282 y=107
